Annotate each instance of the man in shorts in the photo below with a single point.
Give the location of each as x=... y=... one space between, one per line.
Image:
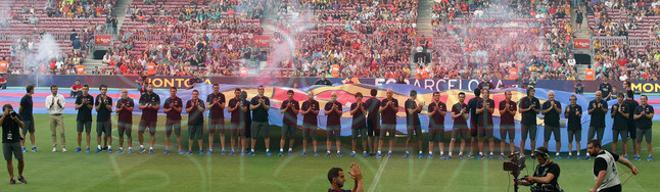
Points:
x=437 y=111
x=485 y=109
x=236 y=109
x=644 y=116
x=310 y=111
x=388 y=109
x=619 y=126
x=507 y=109
x=289 y=110
x=149 y=104
x=597 y=109
x=551 y=110
x=474 y=121
x=573 y=114
x=459 y=113
x=373 y=120
x=11 y=144
x=529 y=106
x=260 y=105
x=333 y=110
x=195 y=108
x=173 y=107
x=25 y=110
x=631 y=105
x=84 y=105
x=103 y=105
x=359 y=125
x=124 y=111
x=413 y=125
x=216 y=103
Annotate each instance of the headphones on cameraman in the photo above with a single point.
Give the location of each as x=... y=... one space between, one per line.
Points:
x=542 y=153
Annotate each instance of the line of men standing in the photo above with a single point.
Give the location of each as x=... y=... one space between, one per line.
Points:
x=373 y=121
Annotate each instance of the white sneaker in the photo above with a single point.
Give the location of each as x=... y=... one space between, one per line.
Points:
x=63 y=149
x=54 y=149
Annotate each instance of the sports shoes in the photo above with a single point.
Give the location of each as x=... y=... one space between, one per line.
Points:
x=78 y=149
x=389 y=155
x=190 y=152
x=365 y=154
x=120 y=151
x=558 y=157
x=637 y=157
x=501 y=158
x=420 y=156
x=587 y=157
x=280 y=154
x=166 y=152
x=109 y=150
x=130 y=151
x=34 y=149
x=379 y=155
x=182 y=152
x=12 y=181
x=142 y=150
x=340 y=154
x=98 y=150
x=231 y=153
x=87 y=150
x=269 y=154
x=64 y=149
x=430 y=156
x=406 y=155
x=328 y=154
x=210 y=152
x=22 y=180
x=353 y=154
x=151 y=151
x=649 y=158
x=23 y=149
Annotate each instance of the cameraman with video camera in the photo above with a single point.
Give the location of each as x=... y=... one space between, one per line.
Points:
x=546 y=174
x=11 y=142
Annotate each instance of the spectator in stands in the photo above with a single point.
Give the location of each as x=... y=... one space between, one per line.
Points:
x=3 y=81
x=76 y=89
x=323 y=81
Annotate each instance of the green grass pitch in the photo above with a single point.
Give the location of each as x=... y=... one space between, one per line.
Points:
x=70 y=171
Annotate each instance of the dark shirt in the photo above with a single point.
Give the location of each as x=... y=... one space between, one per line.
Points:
x=372 y=105
x=486 y=117
x=8 y=125
x=605 y=89
x=173 y=115
x=412 y=118
x=529 y=117
x=26 y=108
x=149 y=114
x=260 y=114
x=325 y=82
x=216 y=112
x=598 y=115
x=389 y=114
x=334 y=118
x=551 y=118
x=359 y=118
x=236 y=115
x=196 y=116
x=579 y=88
x=460 y=120
x=125 y=116
x=437 y=120
x=542 y=171
x=289 y=117
x=506 y=118
x=103 y=114
x=84 y=112
x=619 y=119
x=311 y=117
x=472 y=108
x=644 y=122
x=631 y=105
x=574 y=121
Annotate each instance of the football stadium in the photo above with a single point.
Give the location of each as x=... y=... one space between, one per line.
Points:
x=336 y=95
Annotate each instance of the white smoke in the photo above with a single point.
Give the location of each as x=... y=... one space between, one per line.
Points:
x=46 y=50
x=5 y=16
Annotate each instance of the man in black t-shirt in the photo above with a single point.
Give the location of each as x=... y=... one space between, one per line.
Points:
x=310 y=111
x=25 y=110
x=529 y=106
x=459 y=114
x=323 y=81
x=631 y=105
x=597 y=109
x=333 y=111
x=605 y=171
x=289 y=110
x=472 y=108
x=619 y=126
x=103 y=105
x=124 y=111
x=149 y=104
x=413 y=125
x=260 y=105
x=507 y=109
x=484 y=111
x=551 y=110
x=195 y=108
x=546 y=173
x=358 y=125
x=373 y=120
x=11 y=145
x=644 y=117
x=173 y=107
x=606 y=89
x=573 y=114
x=84 y=105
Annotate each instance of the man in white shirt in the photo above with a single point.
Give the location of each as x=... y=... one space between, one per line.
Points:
x=55 y=105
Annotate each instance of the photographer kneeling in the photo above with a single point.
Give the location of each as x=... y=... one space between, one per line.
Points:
x=11 y=142
x=546 y=174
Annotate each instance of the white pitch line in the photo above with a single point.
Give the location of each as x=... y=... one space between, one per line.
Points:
x=376 y=179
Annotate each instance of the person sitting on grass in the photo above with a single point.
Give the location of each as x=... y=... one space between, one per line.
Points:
x=336 y=178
